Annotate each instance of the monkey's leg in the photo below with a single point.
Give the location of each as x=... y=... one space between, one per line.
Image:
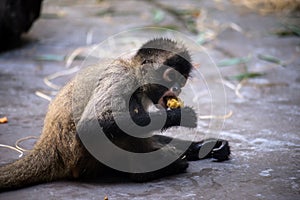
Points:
x=211 y=148
x=178 y=166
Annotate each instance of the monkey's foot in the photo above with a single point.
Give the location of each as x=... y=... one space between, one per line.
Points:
x=212 y=148
x=221 y=150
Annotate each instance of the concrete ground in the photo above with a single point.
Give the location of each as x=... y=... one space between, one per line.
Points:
x=264 y=127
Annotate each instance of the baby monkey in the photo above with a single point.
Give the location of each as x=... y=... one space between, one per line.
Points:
x=114 y=91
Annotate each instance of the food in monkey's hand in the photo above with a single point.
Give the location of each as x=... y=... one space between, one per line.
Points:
x=174 y=103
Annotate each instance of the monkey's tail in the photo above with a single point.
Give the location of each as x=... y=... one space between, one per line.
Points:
x=38 y=166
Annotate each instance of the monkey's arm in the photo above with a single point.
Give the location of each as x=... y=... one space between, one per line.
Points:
x=181 y=117
x=178 y=117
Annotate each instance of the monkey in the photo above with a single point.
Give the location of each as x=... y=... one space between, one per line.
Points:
x=60 y=152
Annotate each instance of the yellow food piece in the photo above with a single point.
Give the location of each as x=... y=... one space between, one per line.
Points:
x=174 y=103
x=3 y=120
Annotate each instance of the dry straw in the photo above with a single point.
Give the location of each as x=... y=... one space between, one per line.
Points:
x=270 y=6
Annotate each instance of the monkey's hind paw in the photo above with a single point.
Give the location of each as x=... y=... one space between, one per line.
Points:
x=221 y=151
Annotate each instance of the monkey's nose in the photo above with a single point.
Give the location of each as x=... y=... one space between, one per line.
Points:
x=176 y=90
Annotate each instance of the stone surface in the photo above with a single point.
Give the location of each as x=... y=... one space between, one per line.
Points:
x=263 y=130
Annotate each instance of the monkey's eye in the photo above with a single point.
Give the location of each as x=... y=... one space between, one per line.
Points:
x=170 y=75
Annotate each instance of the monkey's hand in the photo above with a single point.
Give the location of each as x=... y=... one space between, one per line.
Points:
x=181 y=117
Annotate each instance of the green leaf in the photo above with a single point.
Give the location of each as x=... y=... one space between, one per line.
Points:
x=294 y=28
x=164 y=28
x=108 y=11
x=247 y=75
x=269 y=58
x=191 y=12
x=158 y=16
x=233 y=61
x=201 y=39
x=283 y=33
x=191 y=25
x=288 y=30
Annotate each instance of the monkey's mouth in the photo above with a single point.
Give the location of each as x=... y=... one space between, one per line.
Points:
x=164 y=99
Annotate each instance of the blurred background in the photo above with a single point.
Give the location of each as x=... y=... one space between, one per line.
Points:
x=254 y=44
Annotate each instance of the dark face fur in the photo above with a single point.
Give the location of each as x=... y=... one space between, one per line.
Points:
x=171 y=62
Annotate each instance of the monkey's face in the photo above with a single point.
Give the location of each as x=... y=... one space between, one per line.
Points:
x=171 y=82
x=166 y=63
